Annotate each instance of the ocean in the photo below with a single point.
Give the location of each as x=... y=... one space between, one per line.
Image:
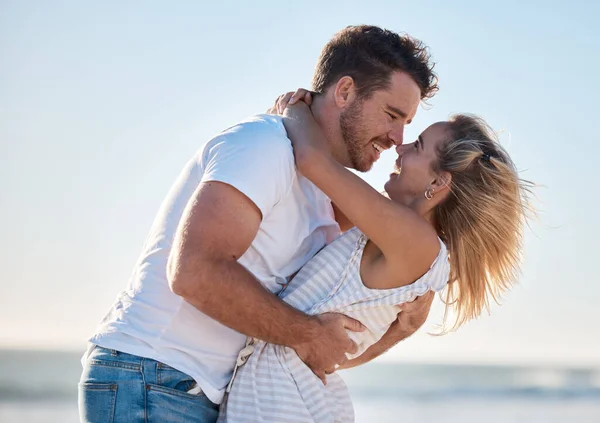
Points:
x=41 y=386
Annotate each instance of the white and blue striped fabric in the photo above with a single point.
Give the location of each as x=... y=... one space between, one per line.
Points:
x=274 y=385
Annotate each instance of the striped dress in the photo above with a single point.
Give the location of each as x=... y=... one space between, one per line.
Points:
x=274 y=385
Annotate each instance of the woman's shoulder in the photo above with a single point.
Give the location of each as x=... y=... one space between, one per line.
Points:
x=396 y=271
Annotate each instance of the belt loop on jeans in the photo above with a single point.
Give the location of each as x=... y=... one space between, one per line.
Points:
x=91 y=347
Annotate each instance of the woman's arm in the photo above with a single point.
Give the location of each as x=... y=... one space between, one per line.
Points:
x=409 y=320
x=405 y=238
x=394 y=335
x=342 y=219
x=387 y=341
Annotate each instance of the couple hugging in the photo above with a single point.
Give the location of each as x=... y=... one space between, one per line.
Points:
x=270 y=265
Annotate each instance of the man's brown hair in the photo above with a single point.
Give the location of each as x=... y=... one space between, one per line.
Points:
x=370 y=55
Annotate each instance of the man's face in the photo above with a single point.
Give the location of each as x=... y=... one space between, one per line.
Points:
x=370 y=126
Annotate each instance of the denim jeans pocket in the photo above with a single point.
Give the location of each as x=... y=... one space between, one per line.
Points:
x=168 y=377
x=97 y=402
x=169 y=401
x=168 y=405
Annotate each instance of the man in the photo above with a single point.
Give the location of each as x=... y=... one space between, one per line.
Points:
x=237 y=223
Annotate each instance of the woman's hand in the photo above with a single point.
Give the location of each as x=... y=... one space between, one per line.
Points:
x=307 y=138
x=302 y=129
x=311 y=149
x=290 y=98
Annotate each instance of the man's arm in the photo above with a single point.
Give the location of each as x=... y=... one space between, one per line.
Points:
x=409 y=320
x=217 y=227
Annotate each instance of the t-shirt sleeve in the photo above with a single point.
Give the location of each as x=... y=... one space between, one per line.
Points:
x=259 y=164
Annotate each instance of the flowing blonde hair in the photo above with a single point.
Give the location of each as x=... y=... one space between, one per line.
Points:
x=482 y=219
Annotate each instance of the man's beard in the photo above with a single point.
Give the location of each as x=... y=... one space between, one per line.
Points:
x=353 y=133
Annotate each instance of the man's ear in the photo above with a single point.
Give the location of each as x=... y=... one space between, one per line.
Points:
x=344 y=92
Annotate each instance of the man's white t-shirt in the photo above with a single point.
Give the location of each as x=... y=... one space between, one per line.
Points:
x=149 y=320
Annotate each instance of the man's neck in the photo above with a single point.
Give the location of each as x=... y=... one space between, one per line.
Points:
x=328 y=120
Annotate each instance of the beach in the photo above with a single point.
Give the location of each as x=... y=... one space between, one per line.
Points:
x=41 y=386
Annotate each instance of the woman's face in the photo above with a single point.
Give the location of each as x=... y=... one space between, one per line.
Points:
x=413 y=173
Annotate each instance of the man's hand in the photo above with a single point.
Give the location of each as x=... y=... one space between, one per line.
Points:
x=328 y=347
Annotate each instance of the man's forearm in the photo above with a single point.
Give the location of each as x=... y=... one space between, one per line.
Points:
x=230 y=294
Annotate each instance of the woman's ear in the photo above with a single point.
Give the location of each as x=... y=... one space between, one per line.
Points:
x=442 y=182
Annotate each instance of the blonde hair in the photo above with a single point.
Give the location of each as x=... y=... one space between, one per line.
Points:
x=482 y=219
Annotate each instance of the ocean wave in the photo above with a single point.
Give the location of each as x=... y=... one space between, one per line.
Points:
x=528 y=393
x=38 y=375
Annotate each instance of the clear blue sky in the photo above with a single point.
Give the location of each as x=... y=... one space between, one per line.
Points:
x=102 y=103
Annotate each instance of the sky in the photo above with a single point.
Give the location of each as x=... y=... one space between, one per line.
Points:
x=102 y=103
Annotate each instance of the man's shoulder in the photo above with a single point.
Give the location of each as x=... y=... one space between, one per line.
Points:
x=259 y=127
x=255 y=157
x=259 y=135
x=263 y=122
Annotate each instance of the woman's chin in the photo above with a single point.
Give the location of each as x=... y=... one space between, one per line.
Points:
x=386 y=187
x=393 y=177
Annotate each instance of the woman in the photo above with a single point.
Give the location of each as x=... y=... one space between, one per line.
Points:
x=451 y=219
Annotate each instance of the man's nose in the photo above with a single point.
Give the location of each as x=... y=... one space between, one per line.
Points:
x=397 y=135
x=399 y=148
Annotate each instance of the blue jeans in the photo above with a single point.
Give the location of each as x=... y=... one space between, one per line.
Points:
x=122 y=388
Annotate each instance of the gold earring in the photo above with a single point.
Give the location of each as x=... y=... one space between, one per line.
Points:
x=429 y=193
